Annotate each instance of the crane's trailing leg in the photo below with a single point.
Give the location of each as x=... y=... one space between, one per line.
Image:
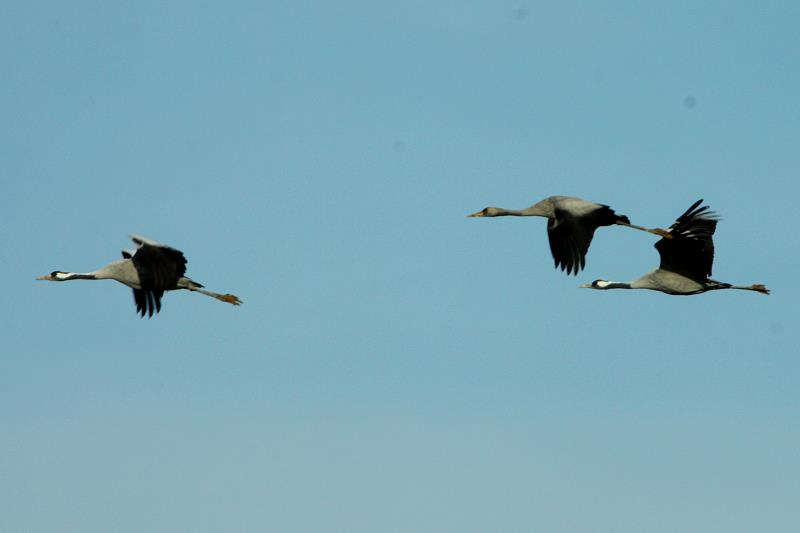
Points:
x=758 y=287
x=191 y=285
x=656 y=231
x=229 y=298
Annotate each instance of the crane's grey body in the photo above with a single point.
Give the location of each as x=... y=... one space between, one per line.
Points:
x=668 y=282
x=571 y=223
x=575 y=206
x=686 y=259
x=546 y=208
x=150 y=270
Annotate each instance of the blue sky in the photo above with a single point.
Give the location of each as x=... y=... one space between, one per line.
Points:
x=396 y=366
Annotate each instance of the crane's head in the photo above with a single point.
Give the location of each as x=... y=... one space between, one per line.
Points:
x=600 y=284
x=56 y=275
x=487 y=212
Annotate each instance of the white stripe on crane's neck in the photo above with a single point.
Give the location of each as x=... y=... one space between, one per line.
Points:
x=66 y=276
x=603 y=284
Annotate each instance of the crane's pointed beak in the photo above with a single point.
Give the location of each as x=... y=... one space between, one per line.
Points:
x=46 y=278
x=479 y=214
x=585 y=286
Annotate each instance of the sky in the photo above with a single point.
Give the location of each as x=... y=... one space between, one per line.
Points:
x=395 y=365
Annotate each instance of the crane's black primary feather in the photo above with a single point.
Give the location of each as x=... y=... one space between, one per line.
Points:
x=159 y=269
x=690 y=251
x=141 y=301
x=570 y=235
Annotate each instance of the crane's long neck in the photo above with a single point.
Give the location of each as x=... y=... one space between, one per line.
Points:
x=69 y=276
x=111 y=271
x=605 y=285
x=542 y=209
x=501 y=212
x=538 y=210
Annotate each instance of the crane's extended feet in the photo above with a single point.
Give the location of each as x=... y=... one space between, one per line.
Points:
x=760 y=288
x=230 y=298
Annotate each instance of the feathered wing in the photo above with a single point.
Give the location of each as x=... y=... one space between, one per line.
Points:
x=571 y=235
x=147 y=301
x=690 y=251
x=159 y=268
x=569 y=240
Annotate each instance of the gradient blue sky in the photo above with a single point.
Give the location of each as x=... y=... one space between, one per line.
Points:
x=396 y=367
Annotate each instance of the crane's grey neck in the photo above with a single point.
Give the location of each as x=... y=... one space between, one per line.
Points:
x=111 y=271
x=545 y=208
x=500 y=212
x=542 y=209
x=605 y=285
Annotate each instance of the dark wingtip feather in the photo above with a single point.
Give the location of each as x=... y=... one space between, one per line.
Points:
x=698 y=212
x=702 y=219
x=147 y=302
x=691 y=211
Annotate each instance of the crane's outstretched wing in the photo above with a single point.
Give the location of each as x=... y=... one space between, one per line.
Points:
x=569 y=238
x=690 y=251
x=570 y=235
x=159 y=268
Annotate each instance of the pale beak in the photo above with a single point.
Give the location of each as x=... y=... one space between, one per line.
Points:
x=46 y=278
x=479 y=214
x=585 y=286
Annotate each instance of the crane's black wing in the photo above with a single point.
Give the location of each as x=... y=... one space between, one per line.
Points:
x=159 y=268
x=570 y=235
x=690 y=251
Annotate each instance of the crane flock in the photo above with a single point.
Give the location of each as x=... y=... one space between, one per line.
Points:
x=686 y=251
